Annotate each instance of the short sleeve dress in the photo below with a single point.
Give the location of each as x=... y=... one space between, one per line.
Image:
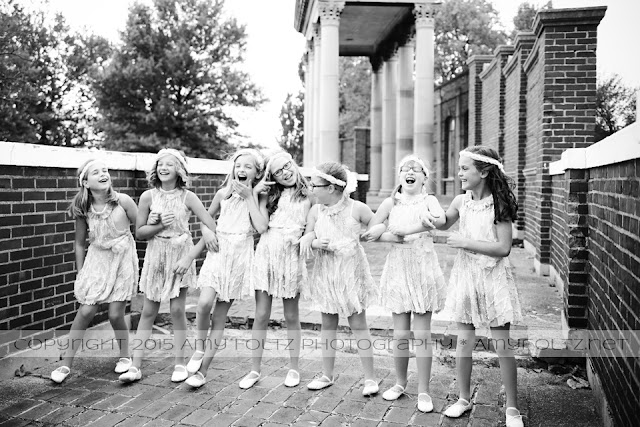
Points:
x=482 y=291
x=158 y=281
x=228 y=271
x=412 y=280
x=110 y=269
x=279 y=269
x=340 y=281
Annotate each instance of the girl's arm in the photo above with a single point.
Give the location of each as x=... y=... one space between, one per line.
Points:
x=363 y=213
x=196 y=206
x=184 y=263
x=501 y=248
x=453 y=213
x=309 y=237
x=146 y=231
x=129 y=207
x=259 y=222
x=376 y=226
x=81 y=241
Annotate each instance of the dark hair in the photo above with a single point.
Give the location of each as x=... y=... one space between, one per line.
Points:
x=336 y=170
x=501 y=186
x=300 y=193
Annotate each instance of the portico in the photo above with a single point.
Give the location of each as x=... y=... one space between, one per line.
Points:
x=398 y=38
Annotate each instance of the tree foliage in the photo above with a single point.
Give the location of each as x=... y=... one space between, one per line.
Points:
x=172 y=79
x=523 y=21
x=292 y=121
x=45 y=74
x=615 y=106
x=464 y=28
x=355 y=94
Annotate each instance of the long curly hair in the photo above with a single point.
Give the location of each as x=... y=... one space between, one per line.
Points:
x=81 y=203
x=183 y=180
x=501 y=185
x=300 y=188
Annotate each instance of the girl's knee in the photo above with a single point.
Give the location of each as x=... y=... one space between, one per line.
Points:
x=177 y=310
x=204 y=308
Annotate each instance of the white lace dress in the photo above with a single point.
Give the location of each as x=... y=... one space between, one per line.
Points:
x=278 y=268
x=412 y=280
x=110 y=269
x=340 y=281
x=482 y=291
x=228 y=271
x=164 y=250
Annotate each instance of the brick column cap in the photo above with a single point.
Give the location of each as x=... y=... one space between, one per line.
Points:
x=480 y=59
x=570 y=16
x=504 y=49
x=524 y=37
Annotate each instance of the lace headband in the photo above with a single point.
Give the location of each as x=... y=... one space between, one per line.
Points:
x=175 y=153
x=482 y=158
x=415 y=159
x=349 y=186
x=85 y=169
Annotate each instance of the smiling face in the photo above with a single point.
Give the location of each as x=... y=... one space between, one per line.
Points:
x=244 y=169
x=470 y=176
x=97 y=177
x=284 y=171
x=412 y=177
x=167 y=168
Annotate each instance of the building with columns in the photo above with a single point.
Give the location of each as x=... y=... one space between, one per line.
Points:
x=397 y=36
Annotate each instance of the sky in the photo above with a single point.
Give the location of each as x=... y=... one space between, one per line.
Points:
x=274 y=47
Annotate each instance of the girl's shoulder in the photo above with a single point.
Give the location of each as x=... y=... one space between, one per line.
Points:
x=147 y=196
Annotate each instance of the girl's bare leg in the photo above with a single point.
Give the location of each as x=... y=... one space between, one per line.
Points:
x=147 y=317
x=358 y=324
x=292 y=316
x=76 y=333
x=218 y=321
x=179 y=319
x=464 y=351
x=259 y=329
x=508 y=369
x=120 y=329
x=328 y=336
x=424 y=351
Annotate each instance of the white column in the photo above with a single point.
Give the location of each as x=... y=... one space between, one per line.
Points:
x=404 y=117
x=389 y=127
x=317 y=58
x=375 y=153
x=423 y=97
x=329 y=102
x=307 y=149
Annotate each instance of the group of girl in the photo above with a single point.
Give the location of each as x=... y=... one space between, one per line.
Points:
x=297 y=219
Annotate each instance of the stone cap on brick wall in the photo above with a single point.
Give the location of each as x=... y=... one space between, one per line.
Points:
x=621 y=146
x=569 y=16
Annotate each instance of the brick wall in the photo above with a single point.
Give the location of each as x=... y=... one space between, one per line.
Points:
x=37 y=260
x=476 y=64
x=493 y=100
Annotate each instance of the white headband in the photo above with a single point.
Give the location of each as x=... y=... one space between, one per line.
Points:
x=330 y=178
x=349 y=186
x=85 y=169
x=482 y=158
x=175 y=153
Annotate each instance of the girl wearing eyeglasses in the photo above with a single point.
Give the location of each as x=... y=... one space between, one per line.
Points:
x=412 y=281
x=279 y=270
x=340 y=282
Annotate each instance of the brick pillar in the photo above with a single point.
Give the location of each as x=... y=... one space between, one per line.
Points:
x=476 y=64
x=561 y=90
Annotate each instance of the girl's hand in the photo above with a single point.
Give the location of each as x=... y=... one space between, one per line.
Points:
x=320 y=244
x=167 y=219
x=456 y=240
x=263 y=186
x=305 y=245
x=182 y=266
x=210 y=239
x=399 y=230
x=428 y=220
x=241 y=189
x=154 y=218
x=373 y=233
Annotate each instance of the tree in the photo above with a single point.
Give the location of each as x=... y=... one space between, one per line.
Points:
x=292 y=120
x=464 y=28
x=355 y=94
x=172 y=79
x=615 y=106
x=523 y=21
x=45 y=70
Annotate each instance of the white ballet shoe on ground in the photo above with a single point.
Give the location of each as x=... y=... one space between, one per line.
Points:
x=195 y=362
x=292 y=379
x=196 y=380
x=425 y=404
x=393 y=393
x=320 y=383
x=123 y=365
x=370 y=387
x=60 y=374
x=514 y=420
x=179 y=374
x=249 y=380
x=133 y=374
x=457 y=409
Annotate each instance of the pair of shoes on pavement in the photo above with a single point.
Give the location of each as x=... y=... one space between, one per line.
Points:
x=292 y=379
x=425 y=404
x=60 y=374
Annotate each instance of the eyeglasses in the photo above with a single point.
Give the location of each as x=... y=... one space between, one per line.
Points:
x=314 y=186
x=416 y=169
x=286 y=166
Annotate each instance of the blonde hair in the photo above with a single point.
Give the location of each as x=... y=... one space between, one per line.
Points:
x=258 y=163
x=81 y=203
x=301 y=191
x=183 y=180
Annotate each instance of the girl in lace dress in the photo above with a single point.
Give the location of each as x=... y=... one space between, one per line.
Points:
x=163 y=220
x=109 y=271
x=412 y=281
x=340 y=282
x=482 y=289
x=224 y=274
x=279 y=270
